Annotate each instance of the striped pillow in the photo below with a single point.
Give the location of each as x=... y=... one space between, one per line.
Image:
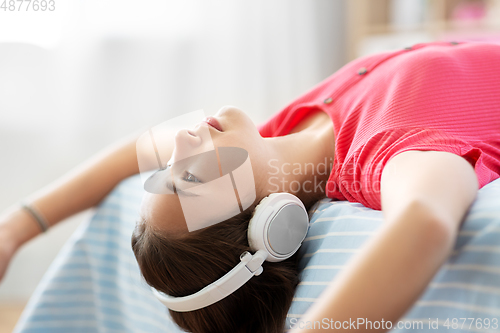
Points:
x=467 y=286
x=94 y=284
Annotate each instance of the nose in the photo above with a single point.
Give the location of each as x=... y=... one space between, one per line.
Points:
x=185 y=145
x=191 y=142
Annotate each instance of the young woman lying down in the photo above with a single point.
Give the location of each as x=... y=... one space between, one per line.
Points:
x=414 y=133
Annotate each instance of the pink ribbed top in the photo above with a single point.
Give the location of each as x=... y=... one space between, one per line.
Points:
x=435 y=96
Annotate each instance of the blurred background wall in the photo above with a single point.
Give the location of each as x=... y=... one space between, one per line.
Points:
x=76 y=79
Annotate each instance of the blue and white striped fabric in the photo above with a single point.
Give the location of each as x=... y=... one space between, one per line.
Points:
x=94 y=285
x=467 y=286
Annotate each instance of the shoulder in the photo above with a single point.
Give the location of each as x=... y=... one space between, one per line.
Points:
x=358 y=171
x=442 y=56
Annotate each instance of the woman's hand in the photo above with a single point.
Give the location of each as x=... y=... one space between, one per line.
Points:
x=16 y=228
x=7 y=250
x=80 y=189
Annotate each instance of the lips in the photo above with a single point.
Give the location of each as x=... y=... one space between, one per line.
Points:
x=211 y=121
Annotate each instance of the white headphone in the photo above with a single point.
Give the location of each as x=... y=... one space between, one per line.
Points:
x=276 y=231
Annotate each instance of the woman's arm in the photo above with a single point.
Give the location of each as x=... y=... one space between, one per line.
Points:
x=425 y=195
x=78 y=190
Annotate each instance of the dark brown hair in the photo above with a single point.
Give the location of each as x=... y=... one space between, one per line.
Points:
x=182 y=264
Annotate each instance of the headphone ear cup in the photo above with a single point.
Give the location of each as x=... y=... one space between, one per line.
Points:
x=278 y=226
x=252 y=232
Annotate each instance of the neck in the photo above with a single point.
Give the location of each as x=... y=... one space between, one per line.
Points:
x=302 y=162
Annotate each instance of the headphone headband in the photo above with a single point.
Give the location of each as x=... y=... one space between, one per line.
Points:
x=249 y=266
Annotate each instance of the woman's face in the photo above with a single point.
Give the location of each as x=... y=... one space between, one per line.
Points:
x=164 y=211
